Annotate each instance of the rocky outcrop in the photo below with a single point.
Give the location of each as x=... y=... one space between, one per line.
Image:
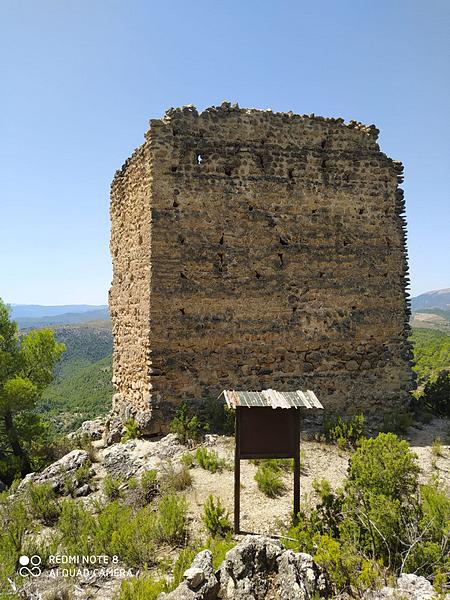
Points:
x=199 y=581
x=409 y=587
x=59 y=472
x=256 y=569
x=136 y=456
x=93 y=429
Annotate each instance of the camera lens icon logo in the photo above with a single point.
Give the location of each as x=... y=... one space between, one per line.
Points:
x=34 y=570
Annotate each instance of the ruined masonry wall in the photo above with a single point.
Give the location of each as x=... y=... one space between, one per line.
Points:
x=251 y=250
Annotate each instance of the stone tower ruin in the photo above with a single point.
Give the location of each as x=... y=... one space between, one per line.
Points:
x=255 y=250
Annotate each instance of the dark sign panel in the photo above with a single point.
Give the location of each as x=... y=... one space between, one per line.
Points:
x=267 y=432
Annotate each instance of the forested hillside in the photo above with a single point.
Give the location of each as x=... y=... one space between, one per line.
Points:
x=82 y=388
x=431 y=352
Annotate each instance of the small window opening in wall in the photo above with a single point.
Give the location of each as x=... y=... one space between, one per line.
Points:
x=280 y=256
x=294 y=308
x=291 y=174
x=228 y=171
x=182 y=311
x=257 y=275
x=200 y=159
x=221 y=240
x=250 y=207
x=175 y=204
x=314 y=210
x=361 y=211
x=174 y=169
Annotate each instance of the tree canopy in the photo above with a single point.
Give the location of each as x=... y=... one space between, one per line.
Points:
x=26 y=369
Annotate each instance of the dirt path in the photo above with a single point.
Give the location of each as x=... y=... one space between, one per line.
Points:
x=260 y=514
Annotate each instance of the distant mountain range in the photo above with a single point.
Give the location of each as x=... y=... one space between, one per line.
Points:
x=35 y=315
x=432 y=310
x=434 y=299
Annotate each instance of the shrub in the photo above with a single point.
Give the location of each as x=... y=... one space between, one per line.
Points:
x=76 y=526
x=14 y=523
x=187 y=427
x=183 y=562
x=435 y=504
x=42 y=503
x=134 y=539
x=132 y=431
x=143 y=588
x=175 y=479
x=345 y=433
x=83 y=474
x=269 y=480
x=111 y=488
x=84 y=441
x=219 y=547
x=171 y=525
x=149 y=484
x=217 y=416
x=345 y=567
x=215 y=517
x=187 y=460
x=397 y=421
x=379 y=517
x=209 y=460
x=133 y=483
x=437 y=448
x=384 y=465
x=436 y=395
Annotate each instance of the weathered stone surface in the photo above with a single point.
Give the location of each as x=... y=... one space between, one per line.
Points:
x=299 y=577
x=57 y=472
x=256 y=569
x=409 y=587
x=199 y=583
x=134 y=457
x=257 y=250
x=194 y=577
x=94 y=429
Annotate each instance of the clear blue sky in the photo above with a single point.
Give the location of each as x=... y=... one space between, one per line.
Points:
x=80 y=80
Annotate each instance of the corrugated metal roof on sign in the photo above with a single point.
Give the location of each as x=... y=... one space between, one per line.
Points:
x=272 y=398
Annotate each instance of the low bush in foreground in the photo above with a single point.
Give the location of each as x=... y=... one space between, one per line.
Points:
x=175 y=478
x=145 y=587
x=210 y=460
x=269 y=478
x=216 y=518
x=436 y=395
x=132 y=431
x=380 y=522
x=42 y=503
x=344 y=432
x=185 y=425
x=112 y=488
x=148 y=587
